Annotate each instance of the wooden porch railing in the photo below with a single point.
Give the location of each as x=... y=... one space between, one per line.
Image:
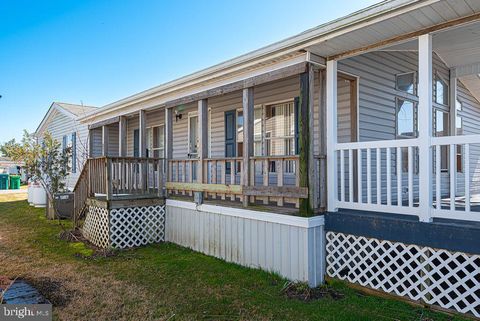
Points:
x=220 y=176
x=80 y=194
x=272 y=179
x=133 y=176
x=275 y=178
x=118 y=177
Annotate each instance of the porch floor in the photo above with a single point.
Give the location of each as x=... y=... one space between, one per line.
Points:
x=285 y=210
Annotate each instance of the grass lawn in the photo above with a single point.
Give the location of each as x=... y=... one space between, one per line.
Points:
x=163 y=281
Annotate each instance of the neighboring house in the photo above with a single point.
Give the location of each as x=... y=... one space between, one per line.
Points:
x=369 y=125
x=61 y=121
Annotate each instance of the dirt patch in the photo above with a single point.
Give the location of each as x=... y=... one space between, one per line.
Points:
x=53 y=290
x=76 y=236
x=301 y=291
x=4 y=282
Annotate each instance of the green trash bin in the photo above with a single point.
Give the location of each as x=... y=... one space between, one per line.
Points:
x=4 y=181
x=14 y=181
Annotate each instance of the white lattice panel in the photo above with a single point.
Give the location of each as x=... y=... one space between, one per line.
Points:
x=95 y=228
x=135 y=226
x=435 y=276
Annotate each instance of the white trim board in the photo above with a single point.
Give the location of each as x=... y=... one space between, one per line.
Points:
x=305 y=222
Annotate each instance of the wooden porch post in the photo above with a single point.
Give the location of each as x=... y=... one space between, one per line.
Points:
x=122 y=136
x=142 y=146
x=312 y=165
x=104 y=140
x=168 y=140
x=304 y=140
x=322 y=142
x=202 y=138
x=248 y=119
x=331 y=134
x=425 y=86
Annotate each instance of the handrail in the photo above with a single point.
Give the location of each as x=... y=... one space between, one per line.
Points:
x=284 y=157
x=135 y=158
x=223 y=158
x=456 y=140
x=378 y=144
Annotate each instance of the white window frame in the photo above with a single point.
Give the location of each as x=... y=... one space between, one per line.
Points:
x=287 y=137
x=190 y=116
x=150 y=147
x=414 y=82
x=209 y=132
x=415 y=118
x=446 y=87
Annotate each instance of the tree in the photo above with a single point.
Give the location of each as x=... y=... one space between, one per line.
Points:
x=7 y=147
x=45 y=161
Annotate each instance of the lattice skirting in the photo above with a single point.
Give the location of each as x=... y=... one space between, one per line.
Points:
x=96 y=225
x=434 y=276
x=125 y=227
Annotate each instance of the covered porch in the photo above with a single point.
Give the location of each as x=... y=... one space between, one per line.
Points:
x=418 y=137
x=243 y=142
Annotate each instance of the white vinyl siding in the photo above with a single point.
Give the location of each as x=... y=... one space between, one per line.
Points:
x=60 y=125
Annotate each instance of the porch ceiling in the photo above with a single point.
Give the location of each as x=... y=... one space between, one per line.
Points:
x=457 y=47
x=433 y=13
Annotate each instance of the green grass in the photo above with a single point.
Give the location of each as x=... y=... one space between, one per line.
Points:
x=165 y=281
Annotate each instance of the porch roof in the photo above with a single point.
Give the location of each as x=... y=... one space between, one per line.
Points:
x=370 y=27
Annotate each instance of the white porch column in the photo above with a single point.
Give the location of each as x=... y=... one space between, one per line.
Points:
x=105 y=140
x=122 y=136
x=453 y=115
x=202 y=137
x=142 y=146
x=425 y=96
x=453 y=104
x=331 y=135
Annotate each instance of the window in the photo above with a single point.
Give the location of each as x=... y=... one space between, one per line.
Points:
x=440 y=123
x=67 y=143
x=257 y=131
x=192 y=134
x=459 y=131
x=239 y=120
x=280 y=129
x=155 y=142
x=440 y=128
x=406 y=82
x=441 y=91
x=280 y=133
x=406 y=118
x=458 y=118
x=74 y=153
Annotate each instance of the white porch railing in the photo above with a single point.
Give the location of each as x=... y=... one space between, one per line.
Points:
x=461 y=198
x=383 y=176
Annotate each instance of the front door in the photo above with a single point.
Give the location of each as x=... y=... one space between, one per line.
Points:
x=230 y=137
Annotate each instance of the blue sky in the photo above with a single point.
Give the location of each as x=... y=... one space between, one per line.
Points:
x=97 y=52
